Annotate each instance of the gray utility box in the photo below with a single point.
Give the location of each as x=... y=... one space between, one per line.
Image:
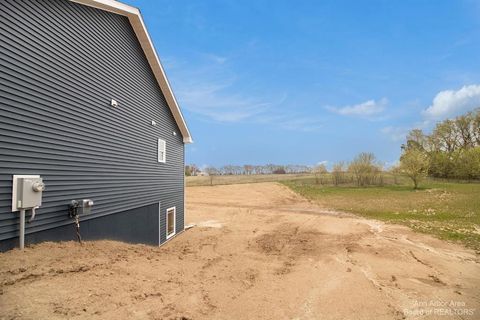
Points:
x=27 y=192
x=85 y=206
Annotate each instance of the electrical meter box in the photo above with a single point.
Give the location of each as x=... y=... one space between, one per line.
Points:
x=27 y=192
x=85 y=206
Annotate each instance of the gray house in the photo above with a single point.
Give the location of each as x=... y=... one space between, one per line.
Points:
x=89 y=126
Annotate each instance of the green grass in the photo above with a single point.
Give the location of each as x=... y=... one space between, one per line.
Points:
x=447 y=210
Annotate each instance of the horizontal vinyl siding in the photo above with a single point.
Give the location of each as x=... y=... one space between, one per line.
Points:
x=60 y=65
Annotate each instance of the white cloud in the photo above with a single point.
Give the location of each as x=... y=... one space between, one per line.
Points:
x=216 y=58
x=209 y=89
x=399 y=133
x=212 y=90
x=365 y=109
x=450 y=102
x=290 y=122
x=213 y=101
x=302 y=124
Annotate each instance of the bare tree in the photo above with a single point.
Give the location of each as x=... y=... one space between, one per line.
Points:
x=476 y=126
x=248 y=169
x=318 y=171
x=338 y=172
x=259 y=169
x=226 y=169
x=466 y=131
x=237 y=170
x=269 y=168
x=395 y=171
x=212 y=172
x=446 y=136
x=416 y=139
x=191 y=170
x=364 y=168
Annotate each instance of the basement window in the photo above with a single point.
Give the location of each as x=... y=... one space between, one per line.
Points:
x=162 y=145
x=171 y=228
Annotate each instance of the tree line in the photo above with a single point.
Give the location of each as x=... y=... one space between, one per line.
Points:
x=451 y=151
x=363 y=170
x=247 y=169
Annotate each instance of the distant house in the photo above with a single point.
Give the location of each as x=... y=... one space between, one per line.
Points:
x=86 y=114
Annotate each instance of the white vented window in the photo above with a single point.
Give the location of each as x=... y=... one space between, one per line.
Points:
x=162 y=146
x=171 y=228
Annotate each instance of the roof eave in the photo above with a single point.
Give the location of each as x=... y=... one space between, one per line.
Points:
x=141 y=32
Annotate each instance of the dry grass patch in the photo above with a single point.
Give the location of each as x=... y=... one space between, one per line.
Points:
x=448 y=210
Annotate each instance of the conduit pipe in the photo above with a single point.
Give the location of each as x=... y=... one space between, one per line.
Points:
x=33 y=214
x=22 y=225
x=22 y=229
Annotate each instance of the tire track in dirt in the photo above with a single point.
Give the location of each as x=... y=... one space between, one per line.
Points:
x=261 y=253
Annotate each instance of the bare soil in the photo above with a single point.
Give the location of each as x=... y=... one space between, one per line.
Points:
x=258 y=251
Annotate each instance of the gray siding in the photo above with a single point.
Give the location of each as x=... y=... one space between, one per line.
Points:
x=113 y=226
x=60 y=64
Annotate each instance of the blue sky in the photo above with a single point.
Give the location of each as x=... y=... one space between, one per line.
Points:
x=301 y=82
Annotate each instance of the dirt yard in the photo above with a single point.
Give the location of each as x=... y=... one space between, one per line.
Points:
x=258 y=251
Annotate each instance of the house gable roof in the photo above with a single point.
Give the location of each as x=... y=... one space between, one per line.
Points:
x=135 y=18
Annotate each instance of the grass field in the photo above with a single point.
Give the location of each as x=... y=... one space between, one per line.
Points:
x=194 y=181
x=447 y=210
x=237 y=179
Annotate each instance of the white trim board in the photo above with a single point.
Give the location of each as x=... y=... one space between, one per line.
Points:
x=159 y=223
x=141 y=32
x=174 y=222
x=161 y=150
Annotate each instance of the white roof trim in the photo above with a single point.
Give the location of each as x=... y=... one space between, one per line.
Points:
x=141 y=32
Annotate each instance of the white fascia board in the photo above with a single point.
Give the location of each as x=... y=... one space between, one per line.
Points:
x=110 y=5
x=141 y=32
